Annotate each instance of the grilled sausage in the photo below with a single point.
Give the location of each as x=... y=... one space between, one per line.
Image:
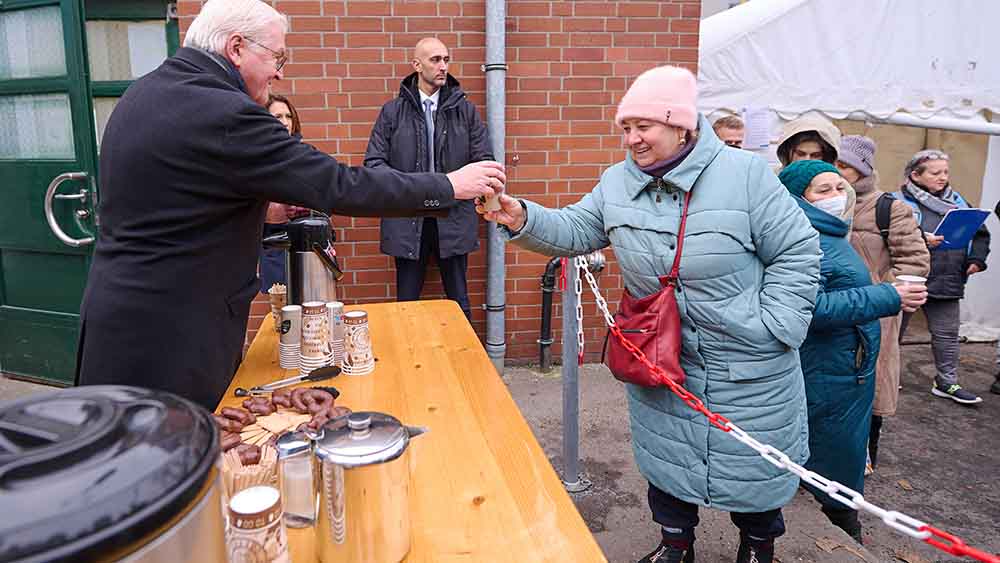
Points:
x=229 y=440
x=243 y=417
x=317 y=401
x=282 y=398
x=297 y=403
x=227 y=424
x=249 y=454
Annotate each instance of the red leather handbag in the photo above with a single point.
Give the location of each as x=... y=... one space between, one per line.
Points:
x=653 y=325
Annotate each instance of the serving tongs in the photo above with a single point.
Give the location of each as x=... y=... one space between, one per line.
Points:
x=318 y=374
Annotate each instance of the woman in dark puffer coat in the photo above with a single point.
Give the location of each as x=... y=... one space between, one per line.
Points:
x=842 y=346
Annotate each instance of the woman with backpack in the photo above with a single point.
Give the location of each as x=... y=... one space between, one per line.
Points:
x=888 y=239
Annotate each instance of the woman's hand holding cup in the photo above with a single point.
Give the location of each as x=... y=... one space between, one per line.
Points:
x=511 y=213
x=912 y=292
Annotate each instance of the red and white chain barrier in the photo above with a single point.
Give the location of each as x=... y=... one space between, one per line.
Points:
x=897 y=520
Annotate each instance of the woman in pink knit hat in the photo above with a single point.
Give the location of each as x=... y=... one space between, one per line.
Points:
x=745 y=291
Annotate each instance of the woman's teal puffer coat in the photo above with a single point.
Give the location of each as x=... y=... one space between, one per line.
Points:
x=748 y=279
x=839 y=355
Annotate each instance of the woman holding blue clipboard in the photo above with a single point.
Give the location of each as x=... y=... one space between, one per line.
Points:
x=928 y=192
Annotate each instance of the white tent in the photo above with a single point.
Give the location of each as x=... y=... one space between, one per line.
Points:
x=929 y=63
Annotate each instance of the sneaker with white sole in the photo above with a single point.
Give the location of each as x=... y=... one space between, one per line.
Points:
x=955 y=393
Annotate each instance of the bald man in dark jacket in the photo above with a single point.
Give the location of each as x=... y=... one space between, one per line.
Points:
x=188 y=163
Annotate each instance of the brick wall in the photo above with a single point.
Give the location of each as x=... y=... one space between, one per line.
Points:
x=569 y=63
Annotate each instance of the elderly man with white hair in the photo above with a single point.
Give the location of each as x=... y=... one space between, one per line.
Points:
x=189 y=160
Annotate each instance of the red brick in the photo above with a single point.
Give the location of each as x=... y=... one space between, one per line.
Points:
x=583 y=54
x=583 y=113
x=583 y=84
x=293 y=70
x=359 y=69
x=591 y=69
x=646 y=25
x=527 y=98
x=468 y=24
x=295 y=8
x=639 y=9
x=648 y=54
x=311 y=23
x=394 y=25
x=322 y=85
x=356 y=40
x=412 y=8
x=591 y=39
x=293 y=40
x=670 y=11
x=527 y=40
x=539 y=24
x=359 y=24
x=616 y=24
x=684 y=26
x=303 y=55
x=368 y=8
x=583 y=24
x=684 y=55
x=515 y=9
x=635 y=39
x=428 y=24
x=361 y=55
x=334 y=8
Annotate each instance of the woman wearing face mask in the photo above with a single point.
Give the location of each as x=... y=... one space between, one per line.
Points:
x=748 y=271
x=929 y=193
x=839 y=353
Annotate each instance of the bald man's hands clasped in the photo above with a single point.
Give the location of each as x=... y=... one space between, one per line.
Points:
x=478 y=179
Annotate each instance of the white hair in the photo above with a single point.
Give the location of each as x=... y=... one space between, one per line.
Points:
x=220 y=19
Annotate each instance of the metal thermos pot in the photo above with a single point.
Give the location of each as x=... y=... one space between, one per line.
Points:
x=109 y=473
x=312 y=269
x=362 y=476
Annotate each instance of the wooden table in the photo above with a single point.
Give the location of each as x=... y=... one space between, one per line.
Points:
x=481 y=488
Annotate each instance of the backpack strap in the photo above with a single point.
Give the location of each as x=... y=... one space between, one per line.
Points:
x=883 y=215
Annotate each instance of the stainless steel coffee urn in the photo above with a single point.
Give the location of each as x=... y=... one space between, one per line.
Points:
x=109 y=473
x=313 y=271
x=362 y=477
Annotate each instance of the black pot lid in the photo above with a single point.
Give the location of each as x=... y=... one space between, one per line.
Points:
x=90 y=469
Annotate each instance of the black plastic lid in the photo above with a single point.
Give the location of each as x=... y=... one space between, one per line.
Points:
x=305 y=232
x=90 y=469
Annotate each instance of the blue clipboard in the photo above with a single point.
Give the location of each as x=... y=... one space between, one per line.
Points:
x=958 y=227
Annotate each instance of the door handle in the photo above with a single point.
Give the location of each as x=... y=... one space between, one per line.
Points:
x=50 y=194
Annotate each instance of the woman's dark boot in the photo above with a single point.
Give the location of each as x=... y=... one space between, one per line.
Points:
x=753 y=550
x=671 y=551
x=873 y=435
x=846 y=519
x=676 y=547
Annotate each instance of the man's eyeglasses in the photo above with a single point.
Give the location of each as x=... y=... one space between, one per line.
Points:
x=279 y=58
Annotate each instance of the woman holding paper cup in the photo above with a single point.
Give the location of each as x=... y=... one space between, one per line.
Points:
x=929 y=194
x=839 y=353
x=747 y=277
x=899 y=254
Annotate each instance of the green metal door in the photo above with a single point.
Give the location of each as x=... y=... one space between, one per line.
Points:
x=47 y=197
x=54 y=102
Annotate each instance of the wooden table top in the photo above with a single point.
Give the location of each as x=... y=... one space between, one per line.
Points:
x=481 y=488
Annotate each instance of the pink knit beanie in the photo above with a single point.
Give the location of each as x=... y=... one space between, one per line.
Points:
x=666 y=94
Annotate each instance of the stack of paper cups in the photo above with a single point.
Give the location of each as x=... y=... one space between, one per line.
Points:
x=335 y=321
x=290 y=336
x=358 y=356
x=315 y=350
x=277 y=295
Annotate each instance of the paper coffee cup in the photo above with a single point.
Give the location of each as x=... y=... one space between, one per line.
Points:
x=911 y=280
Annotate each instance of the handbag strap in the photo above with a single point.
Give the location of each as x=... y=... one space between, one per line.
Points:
x=675 y=270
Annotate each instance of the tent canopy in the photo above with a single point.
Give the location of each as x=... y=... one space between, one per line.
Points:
x=928 y=58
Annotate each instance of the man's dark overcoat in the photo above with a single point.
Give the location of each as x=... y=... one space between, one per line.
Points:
x=188 y=163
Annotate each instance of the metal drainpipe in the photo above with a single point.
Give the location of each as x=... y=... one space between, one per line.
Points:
x=545 y=333
x=496 y=74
